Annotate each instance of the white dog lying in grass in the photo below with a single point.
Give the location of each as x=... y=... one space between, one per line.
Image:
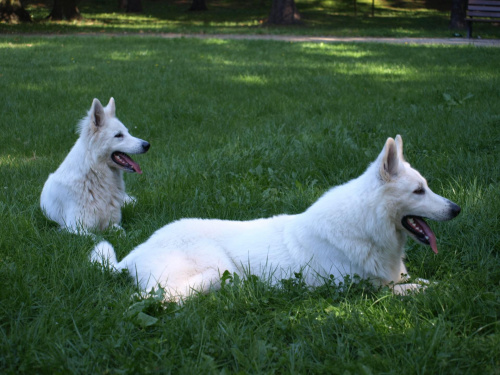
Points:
x=357 y=228
x=87 y=191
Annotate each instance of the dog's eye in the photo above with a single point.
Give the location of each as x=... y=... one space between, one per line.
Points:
x=119 y=135
x=419 y=191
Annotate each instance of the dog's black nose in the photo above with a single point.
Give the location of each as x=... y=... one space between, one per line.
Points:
x=145 y=146
x=455 y=209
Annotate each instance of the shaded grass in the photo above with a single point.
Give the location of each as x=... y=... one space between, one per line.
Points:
x=240 y=130
x=337 y=18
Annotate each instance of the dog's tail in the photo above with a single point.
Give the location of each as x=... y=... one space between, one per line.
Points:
x=104 y=254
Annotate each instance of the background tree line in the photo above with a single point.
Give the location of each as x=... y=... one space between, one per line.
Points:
x=283 y=12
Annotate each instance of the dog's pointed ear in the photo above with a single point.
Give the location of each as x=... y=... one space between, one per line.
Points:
x=111 y=108
x=399 y=145
x=97 y=113
x=389 y=163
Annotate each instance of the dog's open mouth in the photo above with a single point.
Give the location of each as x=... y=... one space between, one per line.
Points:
x=125 y=162
x=420 y=231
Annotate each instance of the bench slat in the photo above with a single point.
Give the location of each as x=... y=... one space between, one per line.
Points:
x=483 y=14
x=485 y=8
x=483 y=2
x=479 y=20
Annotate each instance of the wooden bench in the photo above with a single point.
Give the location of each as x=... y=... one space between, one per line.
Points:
x=482 y=11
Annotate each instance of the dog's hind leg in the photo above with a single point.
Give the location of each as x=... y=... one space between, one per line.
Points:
x=202 y=282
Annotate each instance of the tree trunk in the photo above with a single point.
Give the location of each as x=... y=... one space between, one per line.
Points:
x=65 y=9
x=134 y=6
x=458 y=11
x=198 y=5
x=284 y=12
x=12 y=11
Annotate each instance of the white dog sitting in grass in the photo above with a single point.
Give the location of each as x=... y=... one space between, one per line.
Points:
x=359 y=228
x=87 y=191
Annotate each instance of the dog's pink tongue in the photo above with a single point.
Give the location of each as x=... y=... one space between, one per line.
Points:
x=134 y=165
x=428 y=232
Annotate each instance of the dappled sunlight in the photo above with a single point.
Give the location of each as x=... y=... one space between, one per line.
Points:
x=129 y=56
x=375 y=70
x=340 y=50
x=30 y=86
x=129 y=18
x=71 y=67
x=217 y=42
x=17 y=44
x=355 y=59
x=11 y=161
x=250 y=80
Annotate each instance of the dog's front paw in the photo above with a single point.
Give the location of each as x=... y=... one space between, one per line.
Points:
x=128 y=199
x=117 y=228
x=405 y=289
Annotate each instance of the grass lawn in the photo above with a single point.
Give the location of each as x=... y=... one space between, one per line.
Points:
x=407 y=18
x=241 y=130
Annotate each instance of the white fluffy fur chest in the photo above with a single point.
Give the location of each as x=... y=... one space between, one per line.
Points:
x=348 y=231
x=98 y=193
x=104 y=185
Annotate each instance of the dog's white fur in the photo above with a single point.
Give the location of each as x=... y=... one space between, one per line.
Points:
x=355 y=228
x=87 y=191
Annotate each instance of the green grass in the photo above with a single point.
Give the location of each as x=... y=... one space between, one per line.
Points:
x=241 y=130
x=409 y=18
